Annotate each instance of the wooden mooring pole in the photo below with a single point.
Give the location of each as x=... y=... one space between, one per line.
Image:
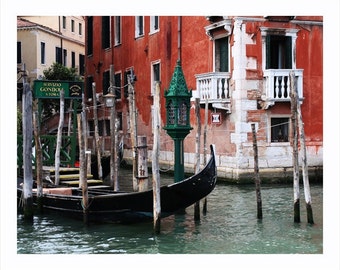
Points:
x=142 y=164
x=296 y=177
x=155 y=162
x=205 y=147
x=256 y=174
x=38 y=159
x=198 y=152
x=59 y=137
x=83 y=165
x=27 y=152
x=96 y=133
x=133 y=129
x=308 y=197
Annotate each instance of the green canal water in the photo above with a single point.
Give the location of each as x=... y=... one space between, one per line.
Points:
x=229 y=227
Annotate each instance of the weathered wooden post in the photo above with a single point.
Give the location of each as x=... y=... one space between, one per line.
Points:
x=296 y=177
x=256 y=174
x=96 y=132
x=142 y=164
x=205 y=147
x=38 y=160
x=198 y=151
x=155 y=162
x=133 y=129
x=59 y=137
x=83 y=165
x=27 y=151
x=308 y=197
x=110 y=102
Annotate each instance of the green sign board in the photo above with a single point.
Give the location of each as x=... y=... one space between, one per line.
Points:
x=51 y=89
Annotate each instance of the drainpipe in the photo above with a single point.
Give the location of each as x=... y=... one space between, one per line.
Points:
x=179 y=37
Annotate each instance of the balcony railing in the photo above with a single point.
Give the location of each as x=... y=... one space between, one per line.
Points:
x=214 y=87
x=277 y=85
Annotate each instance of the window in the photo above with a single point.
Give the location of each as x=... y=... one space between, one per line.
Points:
x=89 y=81
x=106 y=82
x=58 y=55
x=105 y=32
x=72 y=26
x=42 y=53
x=155 y=75
x=90 y=35
x=117 y=29
x=279 y=129
x=278 y=48
x=222 y=54
x=65 y=57
x=139 y=26
x=118 y=85
x=80 y=29
x=120 y=119
x=73 y=59
x=278 y=52
x=107 y=127
x=19 y=60
x=101 y=127
x=64 y=22
x=81 y=64
x=154 y=24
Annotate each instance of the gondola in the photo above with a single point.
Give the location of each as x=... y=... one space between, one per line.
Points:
x=106 y=205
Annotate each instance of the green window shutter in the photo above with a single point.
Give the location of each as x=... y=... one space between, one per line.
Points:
x=268 y=63
x=224 y=54
x=288 y=52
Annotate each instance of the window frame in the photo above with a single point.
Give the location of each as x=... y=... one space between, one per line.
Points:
x=73 y=59
x=72 y=26
x=152 y=79
x=106 y=32
x=286 y=123
x=118 y=86
x=19 y=52
x=288 y=32
x=139 y=26
x=154 y=27
x=217 y=52
x=118 y=30
x=64 y=23
x=80 y=29
x=42 y=53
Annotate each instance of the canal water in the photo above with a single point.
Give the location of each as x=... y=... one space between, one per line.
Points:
x=230 y=226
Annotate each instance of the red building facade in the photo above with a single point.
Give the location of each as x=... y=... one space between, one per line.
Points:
x=239 y=66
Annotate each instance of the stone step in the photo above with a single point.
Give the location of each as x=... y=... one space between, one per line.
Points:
x=73 y=183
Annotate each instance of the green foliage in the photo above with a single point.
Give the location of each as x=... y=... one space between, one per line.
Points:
x=19 y=121
x=59 y=72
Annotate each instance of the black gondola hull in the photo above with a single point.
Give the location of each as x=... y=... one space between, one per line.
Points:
x=105 y=205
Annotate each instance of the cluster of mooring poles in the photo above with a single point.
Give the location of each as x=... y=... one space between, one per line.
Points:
x=177 y=125
x=297 y=125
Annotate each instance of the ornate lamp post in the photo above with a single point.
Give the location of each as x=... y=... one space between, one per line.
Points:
x=178 y=117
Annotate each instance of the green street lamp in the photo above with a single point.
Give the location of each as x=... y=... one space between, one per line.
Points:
x=178 y=117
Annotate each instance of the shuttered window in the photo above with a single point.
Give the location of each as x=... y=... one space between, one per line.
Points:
x=89 y=35
x=278 y=52
x=222 y=54
x=105 y=32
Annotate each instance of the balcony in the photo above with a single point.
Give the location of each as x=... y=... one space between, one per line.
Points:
x=277 y=86
x=214 y=88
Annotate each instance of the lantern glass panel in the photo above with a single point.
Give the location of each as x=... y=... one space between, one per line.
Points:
x=171 y=113
x=183 y=115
